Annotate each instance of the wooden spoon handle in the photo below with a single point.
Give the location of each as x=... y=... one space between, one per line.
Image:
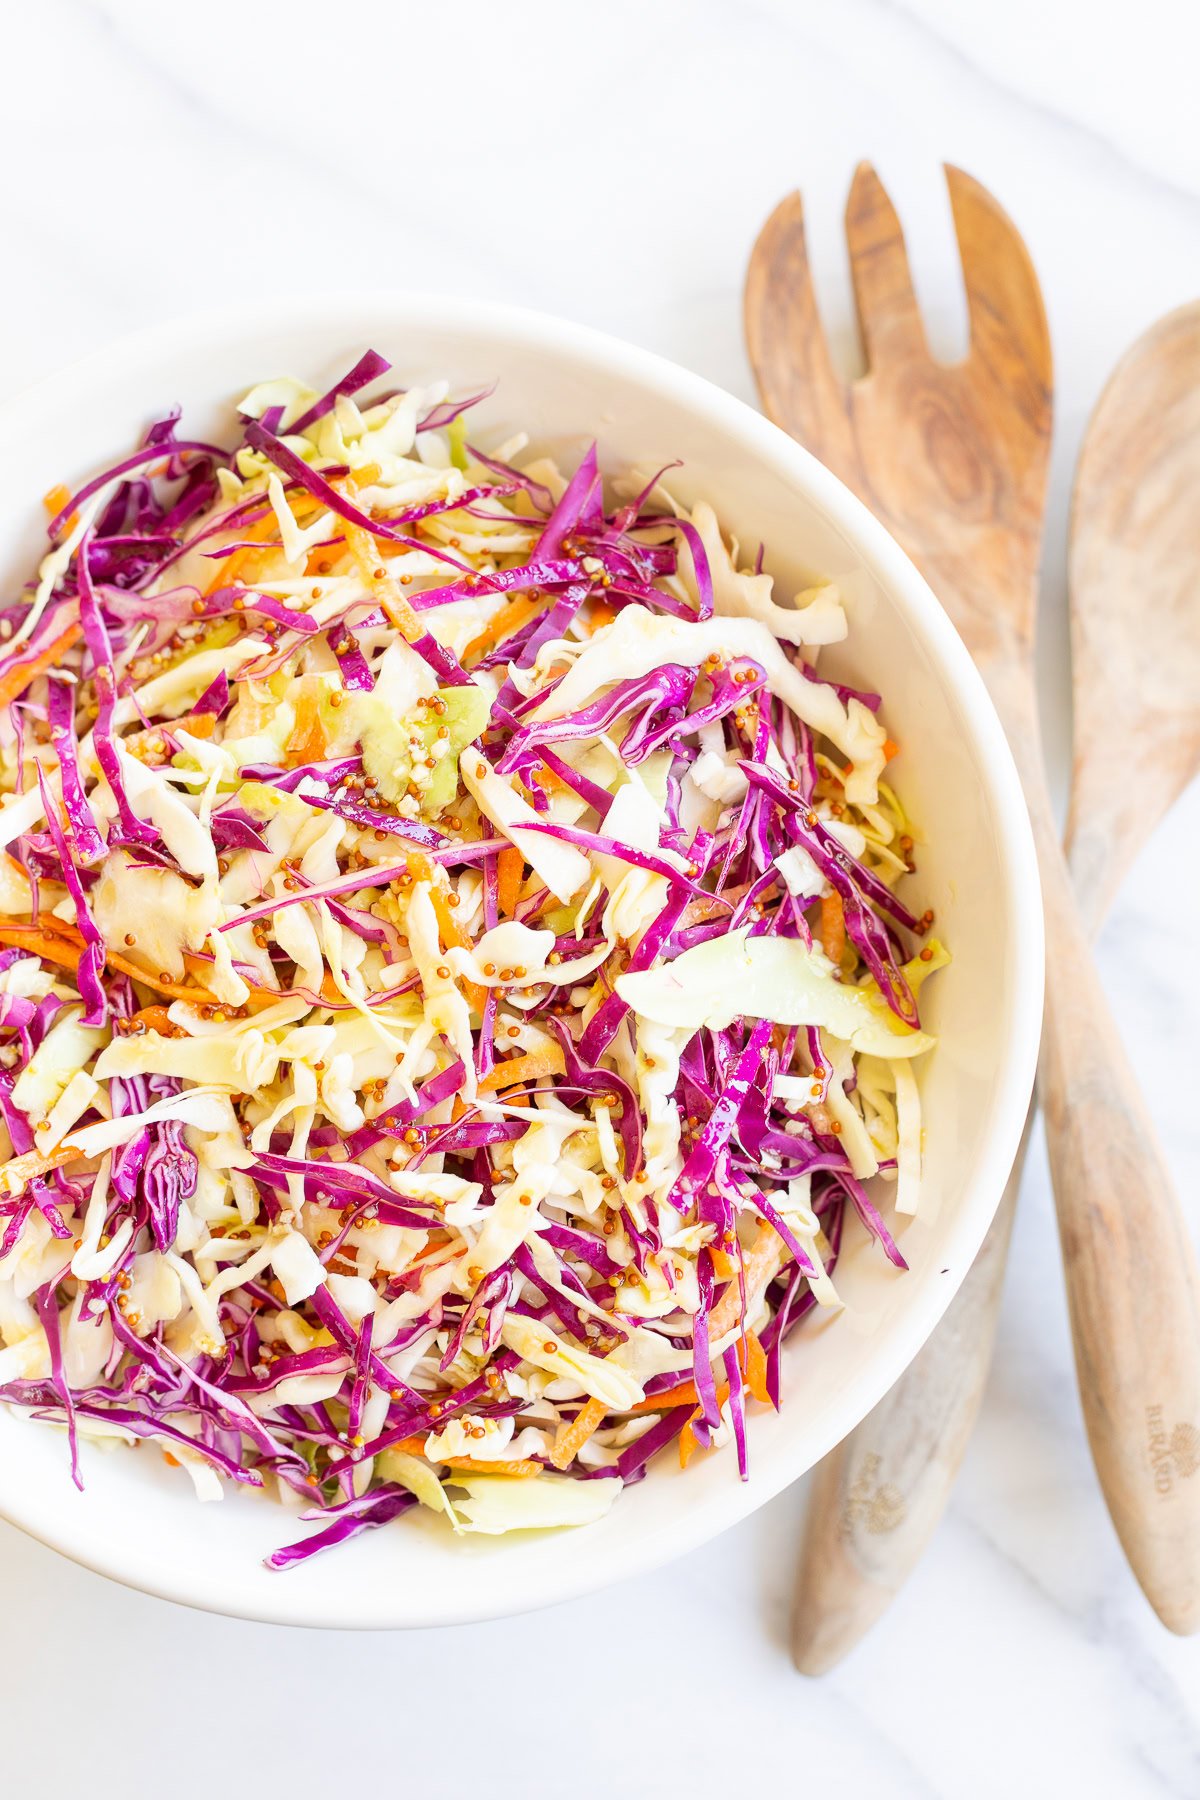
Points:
x=878 y=1498
x=1132 y=1283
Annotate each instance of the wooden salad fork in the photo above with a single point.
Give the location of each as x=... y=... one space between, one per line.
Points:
x=954 y=461
x=1136 y=676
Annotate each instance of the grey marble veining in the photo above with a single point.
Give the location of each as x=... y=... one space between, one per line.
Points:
x=614 y=163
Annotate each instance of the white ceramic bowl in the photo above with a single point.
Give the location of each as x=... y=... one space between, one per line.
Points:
x=138 y=1521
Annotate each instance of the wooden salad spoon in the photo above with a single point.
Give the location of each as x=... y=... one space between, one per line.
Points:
x=879 y=1496
x=1135 y=607
x=954 y=461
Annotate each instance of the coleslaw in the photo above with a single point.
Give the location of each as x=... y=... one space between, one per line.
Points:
x=453 y=984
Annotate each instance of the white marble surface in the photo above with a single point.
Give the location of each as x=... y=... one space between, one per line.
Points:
x=612 y=162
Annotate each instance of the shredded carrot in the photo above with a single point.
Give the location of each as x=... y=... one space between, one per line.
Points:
x=385 y=590
x=821 y=1119
x=449 y=929
x=154 y=1018
x=172 y=1460
x=602 y=614
x=760 y=1265
x=20 y=1169
x=683 y=1395
x=890 y=749
x=522 y=1466
x=19 y=678
x=753 y=1360
x=200 y=725
x=307 y=742
x=547 y=779
x=571 y=1438
x=227 y=571
x=322 y=559
x=429 y=1249
x=832 y=930
x=366 y=476
x=421 y=869
x=548 y=1060
x=419 y=866
x=55 y=500
x=510 y=873
x=195 y=993
x=754 y=1364
x=50 y=938
x=725 y=1267
x=687 y=1442
x=754 y=1369
x=239 y=559
x=501 y=625
x=256 y=707
x=60 y=943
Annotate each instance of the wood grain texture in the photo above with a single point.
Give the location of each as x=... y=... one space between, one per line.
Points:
x=1135 y=619
x=954 y=461
x=879 y=1497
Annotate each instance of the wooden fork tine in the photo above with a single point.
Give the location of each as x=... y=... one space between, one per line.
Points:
x=888 y=316
x=799 y=387
x=1004 y=300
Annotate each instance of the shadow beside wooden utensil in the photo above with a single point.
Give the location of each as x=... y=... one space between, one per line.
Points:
x=954 y=461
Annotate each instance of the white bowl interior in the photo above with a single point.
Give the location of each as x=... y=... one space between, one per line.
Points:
x=137 y=1520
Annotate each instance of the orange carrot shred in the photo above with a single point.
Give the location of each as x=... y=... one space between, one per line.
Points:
x=683 y=1395
x=510 y=874
x=548 y=1060
x=524 y=1468
x=571 y=1438
x=228 y=570
x=753 y=1359
x=385 y=590
x=19 y=678
x=154 y=1018
x=449 y=929
x=60 y=943
x=510 y=618
x=521 y=1466
x=890 y=749
x=754 y=1368
x=687 y=1442
x=55 y=500
x=833 y=927
x=20 y=1169
x=53 y=942
x=307 y=742
x=324 y=553
x=238 y=559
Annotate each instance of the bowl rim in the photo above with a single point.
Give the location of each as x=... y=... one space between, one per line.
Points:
x=203 y=333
